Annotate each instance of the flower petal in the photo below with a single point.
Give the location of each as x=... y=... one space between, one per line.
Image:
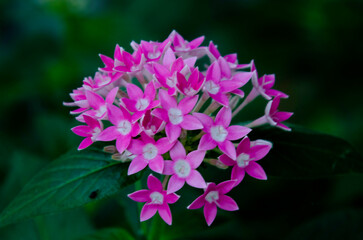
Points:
x=164 y=145
x=115 y=114
x=206 y=143
x=228 y=148
x=157 y=164
x=122 y=142
x=238 y=173
x=191 y=123
x=83 y=131
x=196 y=180
x=187 y=104
x=161 y=114
x=255 y=170
x=227 y=160
x=224 y=117
x=165 y=214
x=244 y=146
x=197 y=203
x=134 y=92
x=85 y=143
x=110 y=98
x=140 y=196
x=206 y=120
x=175 y=183
x=195 y=158
x=172 y=198
x=136 y=146
x=168 y=167
x=237 y=132
x=166 y=100
x=147 y=211
x=214 y=72
x=172 y=131
x=154 y=184
x=108 y=134
x=94 y=100
x=226 y=186
x=210 y=212
x=178 y=151
x=137 y=164
x=227 y=203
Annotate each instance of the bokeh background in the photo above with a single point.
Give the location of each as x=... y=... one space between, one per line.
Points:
x=314 y=47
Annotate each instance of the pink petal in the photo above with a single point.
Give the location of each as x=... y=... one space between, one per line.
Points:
x=238 y=92
x=175 y=184
x=93 y=123
x=197 y=203
x=166 y=100
x=225 y=69
x=178 y=151
x=206 y=120
x=229 y=85
x=130 y=104
x=259 y=151
x=283 y=127
x=237 y=132
x=94 y=100
x=140 y=196
x=147 y=211
x=177 y=65
x=169 y=58
x=108 y=134
x=228 y=148
x=196 y=42
x=195 y=158
x=157 y=164
x=243 y=77
x=150 y=91
x=161 y=113
x=226 y=186
x=214 y=72
x=187 y=104
x=136 y=165
x=244 y=146
x=136 y=146
x=220 y=98
x=191 y=123
x=163 y=145
x=165 y=214
x=275 y=104
x=154 y=184
x=227 y=203
x=210 y=212
x=196 y=180
x=172 y=198
x=172 y=131
x=224 y=117
x=168 y=167
x=115 y=115
x=122 y=142
x=85 y=143
x=83 y=131
x=161 y=71
x=213 y=50
x=134 y=91
x=276 y=93
x=255 y=170
x=227 y=160
x=282 y=116
x=237 y=174
x=111 y=95
x=206 y=143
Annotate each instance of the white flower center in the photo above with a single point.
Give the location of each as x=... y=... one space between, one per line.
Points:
x=211 y=87
x=170 y=81
x=95 y=133
x=142 y=104
x=175 y=116
x=218 y=133
x=157 y=198
x=153 y=55
x=182 y=168
x=212 y=196
x=243 y=160
x=124 y=127
x=149 y=151
x=190 y=91
x=101 y=111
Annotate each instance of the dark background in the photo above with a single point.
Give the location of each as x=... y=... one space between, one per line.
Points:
x=314 y=47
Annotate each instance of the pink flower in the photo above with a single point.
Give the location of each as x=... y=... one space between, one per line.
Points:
x=99 y=81
x=139 y=102
x=247 y=155
x=154 y=50
x=176 y=115
x=123 y=130
x=273 y=116
x=181 y=45
x=191 y=86
x=219 y=133
x=90 y=132
x=219 y=81
x=156 y=200
x=213 y=197
x=79 y=99
x=148 y=152
x=150 y=124
x=182 y=168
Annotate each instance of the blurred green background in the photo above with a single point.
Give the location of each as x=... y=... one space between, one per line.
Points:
x=314 y=47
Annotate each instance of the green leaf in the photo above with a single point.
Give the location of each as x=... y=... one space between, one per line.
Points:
x=109 y=234
x=70 y=181
x=303 y=153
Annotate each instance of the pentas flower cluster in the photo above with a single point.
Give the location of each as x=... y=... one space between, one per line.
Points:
x=162 y=110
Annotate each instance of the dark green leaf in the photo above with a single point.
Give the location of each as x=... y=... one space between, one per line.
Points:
x=302 y=153
x=70 y=181
x=109 y=234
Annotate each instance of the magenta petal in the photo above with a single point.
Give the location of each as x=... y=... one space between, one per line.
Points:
x=229 y=85
x=214 y=72
x=172 y=198
x=169 y=58
x=226 y=186
x=195 y=158
x=227 y=160
x=164 y=145
x=115 y=114
x=255 y=170
x=244 y=146
x=191 y=123
x=85 y=143
x=111 y=95
x=206 y=143
x=165 y=214
x=283 y=116
x=196 y=180
x=228 y=148
x=83 y=131
x=283 y=127
x=236 y=132
x=197 y=203
x=178 y=151
x=210 y=212
x=94 y=100
x=259 y=151
x=150 y=91
x=206 y=120
x=187 y=104
x=220 y=98
x=227 y=203
x=175 y=183
x=136 y=165
x=161 y=114
x=242 y=77
x=147 y=211
x=157 y=164
x=122 y=142
x=225 y=69
x=134 y=91
x=108 y=134
x=130 y=104
x=166 y=100
x=168 y=167
x=238 y=174
x=154 y=184
x=140 y=196
x=224 y=117
x=172 y=131
x=136 y=146
x=91 y=122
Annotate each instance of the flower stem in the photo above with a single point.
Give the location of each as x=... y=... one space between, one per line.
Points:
x=251 y=96
x=201 y=101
